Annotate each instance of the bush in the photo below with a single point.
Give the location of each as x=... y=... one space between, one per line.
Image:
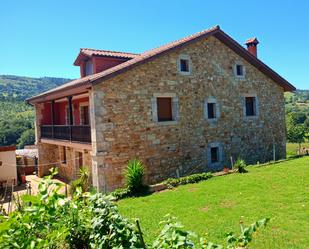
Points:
x=134 y=176
x=173 y=182
x=121 y=193
x=81 y=182
x=240 y=165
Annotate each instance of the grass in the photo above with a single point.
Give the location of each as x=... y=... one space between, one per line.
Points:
x=291 y=148
x=279 y=191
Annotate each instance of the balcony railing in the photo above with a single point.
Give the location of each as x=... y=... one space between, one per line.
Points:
x=74 y=133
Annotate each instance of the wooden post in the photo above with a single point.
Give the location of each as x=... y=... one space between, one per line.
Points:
x=70 y=116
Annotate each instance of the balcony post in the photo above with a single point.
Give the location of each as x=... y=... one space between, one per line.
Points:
x=70 y=116
x=53 y=116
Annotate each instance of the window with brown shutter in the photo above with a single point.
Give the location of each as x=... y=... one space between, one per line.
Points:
x=164 y=109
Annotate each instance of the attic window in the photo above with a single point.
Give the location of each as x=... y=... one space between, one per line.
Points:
x=184 y=65
x=239 y=70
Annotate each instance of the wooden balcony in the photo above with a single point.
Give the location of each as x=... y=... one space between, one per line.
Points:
x=73 y=133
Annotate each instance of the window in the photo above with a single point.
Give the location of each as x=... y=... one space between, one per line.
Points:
x=214 y=153
x=239 y=70
x=211 y=110
x=250 y=106
x=184 y=65
x=63 y=155
x=84 y=115
x=164 y=109
x=88 y=68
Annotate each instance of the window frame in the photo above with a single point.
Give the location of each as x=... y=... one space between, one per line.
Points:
x=186 y=58
x=174 y=106
x=211 y=100
x=255 y=107
x=239 y=63
x=218 y=164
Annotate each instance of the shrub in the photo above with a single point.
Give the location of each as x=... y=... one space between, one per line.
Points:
x=81 y=182
x=121 y=193
x=240 y=165
x=173 y=182
x=134 y=176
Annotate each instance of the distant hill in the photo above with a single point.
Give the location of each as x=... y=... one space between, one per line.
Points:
x=297 y=102
x=19 y=88
x=17 y=117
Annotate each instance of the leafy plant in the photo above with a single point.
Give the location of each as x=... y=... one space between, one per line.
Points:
x=240 y=165
x=173 y=182
x=134 y=176
x=172 y=236
x=81 y=182
x=121 y=193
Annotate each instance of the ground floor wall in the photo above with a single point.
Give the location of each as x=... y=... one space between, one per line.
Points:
x=184 y=157
x=67 y=159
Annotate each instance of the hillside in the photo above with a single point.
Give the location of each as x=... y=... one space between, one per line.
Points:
x=17 y=117
x=20 y=88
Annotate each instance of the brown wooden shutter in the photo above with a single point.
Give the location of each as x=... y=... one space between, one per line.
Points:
x=164 y=109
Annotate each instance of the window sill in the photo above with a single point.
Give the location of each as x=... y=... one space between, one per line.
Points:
x=184 y=73
x=251 y=117
x=173 y=122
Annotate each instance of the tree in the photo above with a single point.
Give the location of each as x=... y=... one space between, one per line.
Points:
x=26 y=138
x=296 y=134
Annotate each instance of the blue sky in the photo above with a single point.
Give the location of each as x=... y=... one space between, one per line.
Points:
x=42 y=38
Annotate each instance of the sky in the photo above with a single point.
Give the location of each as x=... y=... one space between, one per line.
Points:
x=43 y=37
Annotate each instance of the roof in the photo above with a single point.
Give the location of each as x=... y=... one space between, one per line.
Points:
x=7 y=148
x=88 y=52
x=88 y=81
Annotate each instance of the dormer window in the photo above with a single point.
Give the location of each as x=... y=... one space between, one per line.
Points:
x=88 y=68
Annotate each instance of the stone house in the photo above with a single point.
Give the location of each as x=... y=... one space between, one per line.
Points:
x=193 y=105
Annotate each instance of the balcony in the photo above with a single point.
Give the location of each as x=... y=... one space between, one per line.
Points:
x=73 y=133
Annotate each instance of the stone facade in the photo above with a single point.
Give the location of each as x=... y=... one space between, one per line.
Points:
x=123 y=125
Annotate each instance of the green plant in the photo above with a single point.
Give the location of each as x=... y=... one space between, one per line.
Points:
x=134 y=176
x=240 y=165
x=172 y=236
x=121 y=193
x=173 y=182
x=81 y=182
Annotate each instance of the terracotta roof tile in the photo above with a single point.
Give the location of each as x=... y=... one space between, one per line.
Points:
x=99 y=52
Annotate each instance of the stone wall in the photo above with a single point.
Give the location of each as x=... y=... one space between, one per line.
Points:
x=50 y=156
x=123 y=125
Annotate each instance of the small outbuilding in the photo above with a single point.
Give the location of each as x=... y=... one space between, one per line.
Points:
x=8 y=169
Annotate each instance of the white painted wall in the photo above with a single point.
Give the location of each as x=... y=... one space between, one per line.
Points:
x=8 y=170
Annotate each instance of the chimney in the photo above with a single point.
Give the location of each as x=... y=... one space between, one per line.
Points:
x=252 y=46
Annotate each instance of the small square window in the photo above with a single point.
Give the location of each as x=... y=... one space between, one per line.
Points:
x=184 y=65
x=211 y=110
x=239 y=70
x=214 y=154
x=164 y=109
x=250 y=106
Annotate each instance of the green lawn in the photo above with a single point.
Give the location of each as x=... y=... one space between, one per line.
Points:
x=279 y=191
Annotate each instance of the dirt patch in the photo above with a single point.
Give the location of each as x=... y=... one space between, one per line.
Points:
x=228 y=204
x=205 y=209
x=193 y=189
